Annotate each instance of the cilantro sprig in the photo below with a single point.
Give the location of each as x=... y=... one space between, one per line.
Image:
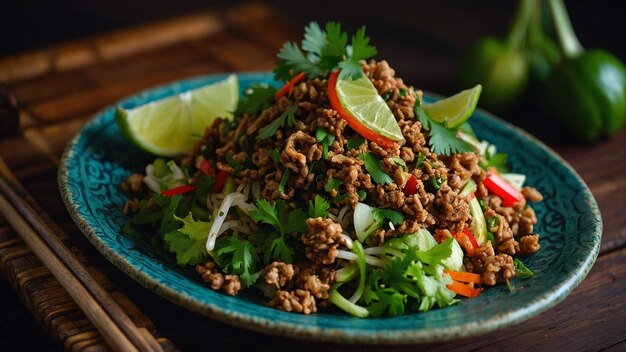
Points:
x=276 y=245
x=443 y=141
x=326 y=139
x=325 y=50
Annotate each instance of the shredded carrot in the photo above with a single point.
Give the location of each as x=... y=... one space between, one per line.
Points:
x=463 y=289
x=289 y=86
x=464 y=276
x=465 y=242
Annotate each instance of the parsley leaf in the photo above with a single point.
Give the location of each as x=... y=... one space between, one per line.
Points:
x=521 y=270
x=372 y=165
x=237 y=256
x=255 y=99
x=443 y=141
x=318 y=207
x=326 y=139
x=286 y=117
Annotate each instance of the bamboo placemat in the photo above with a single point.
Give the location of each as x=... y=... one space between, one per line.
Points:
x=59 y=88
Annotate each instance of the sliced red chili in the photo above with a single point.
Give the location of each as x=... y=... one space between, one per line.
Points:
x=178 y=190
x=411 y=186
x=471 y=237
x=498 y=186
x=220 y=181
x=205 y=166
x=289 y=86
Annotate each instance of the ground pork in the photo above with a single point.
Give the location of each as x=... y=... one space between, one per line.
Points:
x=210 y=273
x=322 y=240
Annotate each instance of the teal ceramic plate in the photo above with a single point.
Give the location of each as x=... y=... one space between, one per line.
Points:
x=98 y=159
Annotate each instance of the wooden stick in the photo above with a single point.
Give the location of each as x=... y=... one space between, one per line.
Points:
x=109 y=330
x=74 y=273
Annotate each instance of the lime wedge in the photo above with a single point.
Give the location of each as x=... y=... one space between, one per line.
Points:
x=454 y=110
x=165 y=127
x=361 y=100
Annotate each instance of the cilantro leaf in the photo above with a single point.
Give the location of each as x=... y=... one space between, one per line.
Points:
x=521 y=270
x=420 y=159
x=278 y=249
x=398 y=161
x=443 y=141
x=388 y=300
x=332 y=183
x=295 y=61
x=318 y=207
x=496 y=160
x=324 y=51
x=355 y=142
x=314 y=40
x=394 y=216
x=326 y=139
x=288 y=116
x=372 y=165
x=283 y=180
x=189 y=241
x=274 y=154
x=295 y=221
x=361 y=48
x=169 y=205
x=255 y=99
x=437 y=254
x=266 y=213
x=237 y=256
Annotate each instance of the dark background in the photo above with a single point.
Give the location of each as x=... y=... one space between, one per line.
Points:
x=422 y=40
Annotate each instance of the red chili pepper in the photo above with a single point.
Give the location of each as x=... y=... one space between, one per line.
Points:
x=288 y=87
x=498 y=186
x=178 y=190
x=220 y=181
x=353 y=122
x=205 y=166
x=471 y=237
x=411 y=186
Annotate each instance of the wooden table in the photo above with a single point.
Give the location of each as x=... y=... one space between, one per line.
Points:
x=59 y=88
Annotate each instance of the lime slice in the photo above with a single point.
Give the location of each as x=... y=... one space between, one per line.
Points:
x=361 y=100
x=165 y=127
x=454 y=110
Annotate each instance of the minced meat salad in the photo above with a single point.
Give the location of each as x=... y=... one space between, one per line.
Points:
x=305 y=198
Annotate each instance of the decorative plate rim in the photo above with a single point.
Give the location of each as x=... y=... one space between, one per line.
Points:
x=213 y=310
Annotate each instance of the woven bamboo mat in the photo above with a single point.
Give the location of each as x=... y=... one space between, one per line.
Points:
x=57 y=89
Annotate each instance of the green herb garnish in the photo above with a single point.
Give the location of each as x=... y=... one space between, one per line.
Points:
x=324 y=51
x=255 y=99
x=326 y=139
x=288 y=117
x=443 y=141
x=521 y=270
x=372 y=165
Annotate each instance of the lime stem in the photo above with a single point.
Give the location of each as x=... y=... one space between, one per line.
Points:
x=570 y=45
x=519 y=26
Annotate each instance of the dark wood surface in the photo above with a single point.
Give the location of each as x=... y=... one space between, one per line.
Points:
x=60 y=87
